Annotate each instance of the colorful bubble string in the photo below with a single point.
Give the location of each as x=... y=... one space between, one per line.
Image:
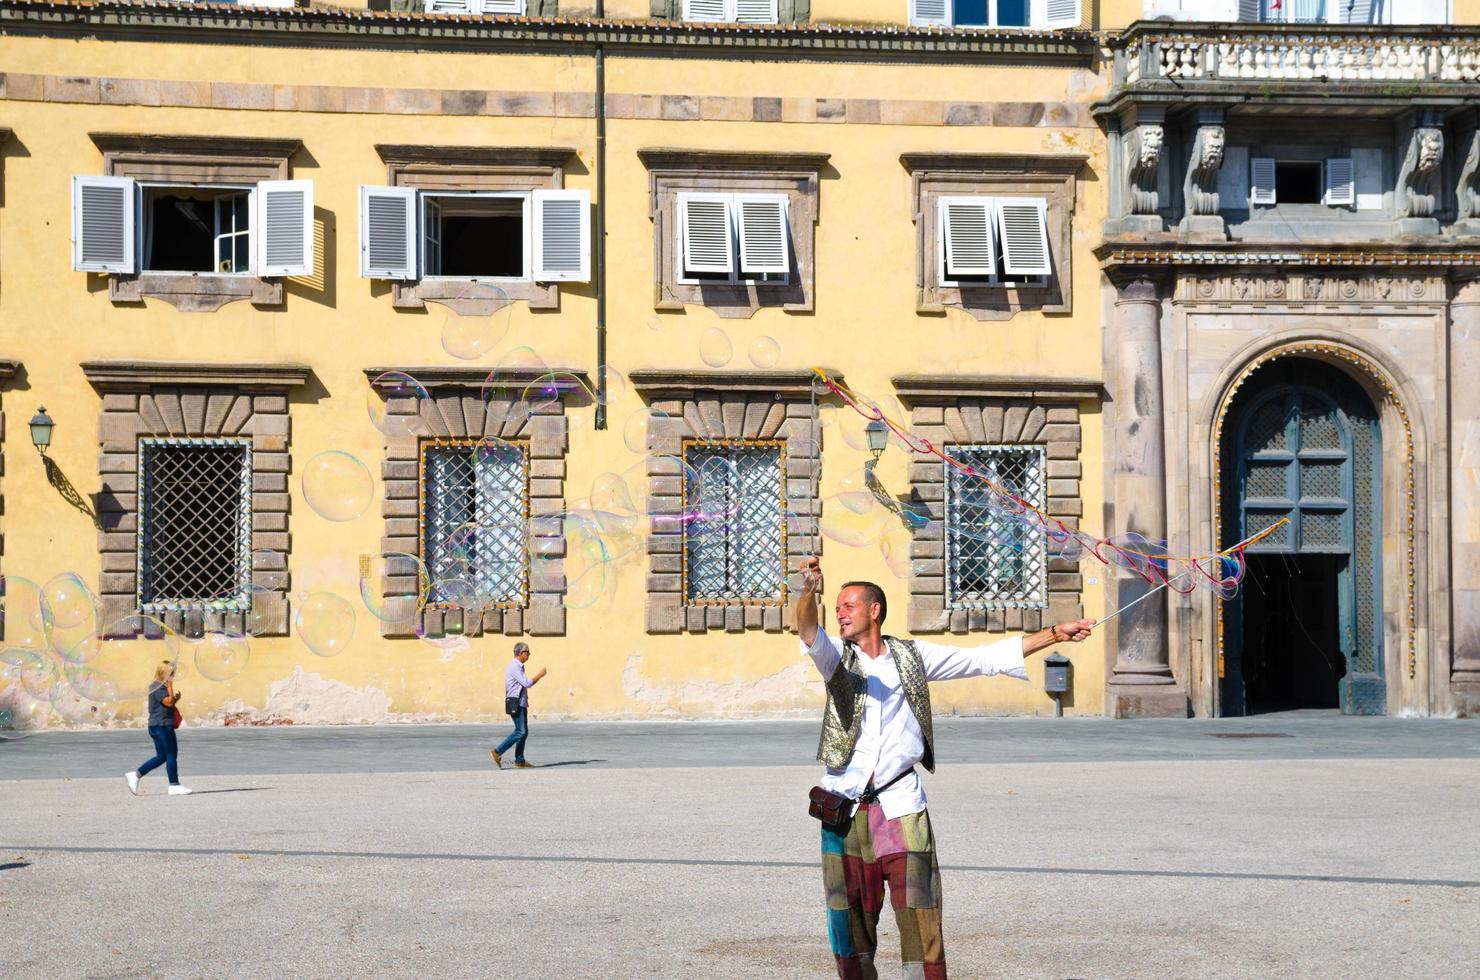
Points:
x=1220 y=572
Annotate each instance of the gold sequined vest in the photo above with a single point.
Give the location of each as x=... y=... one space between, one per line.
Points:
x=847 y=692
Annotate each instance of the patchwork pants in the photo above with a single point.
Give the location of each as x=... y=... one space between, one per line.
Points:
x=855 y=867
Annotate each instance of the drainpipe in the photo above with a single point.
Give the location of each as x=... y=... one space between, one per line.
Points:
x=600 y=226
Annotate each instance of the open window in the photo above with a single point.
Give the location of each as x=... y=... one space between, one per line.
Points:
x=992 y=241
x=410 y=234
x=1045 y=14
x=507 y=7
x=732 y=11
x=1331 y=182
x=124 y=226
x=734 y=238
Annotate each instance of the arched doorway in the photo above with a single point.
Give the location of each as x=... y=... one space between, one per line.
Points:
x=1302 y=442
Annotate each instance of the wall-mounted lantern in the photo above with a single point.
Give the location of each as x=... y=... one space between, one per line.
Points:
x=41 y=426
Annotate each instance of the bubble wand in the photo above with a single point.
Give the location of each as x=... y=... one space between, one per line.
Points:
x=1235 y=549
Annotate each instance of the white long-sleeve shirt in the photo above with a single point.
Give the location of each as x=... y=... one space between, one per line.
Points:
x=889 y=737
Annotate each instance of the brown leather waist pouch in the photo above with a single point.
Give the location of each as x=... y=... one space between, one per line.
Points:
x=833 y=809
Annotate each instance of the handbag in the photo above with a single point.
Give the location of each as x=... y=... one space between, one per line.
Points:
x=176 y=717
x=511 y=706
x=836 y=810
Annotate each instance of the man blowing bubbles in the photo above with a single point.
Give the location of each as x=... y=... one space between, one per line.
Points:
x=875 y=729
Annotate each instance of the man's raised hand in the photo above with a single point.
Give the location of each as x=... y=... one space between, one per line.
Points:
x=811 y=576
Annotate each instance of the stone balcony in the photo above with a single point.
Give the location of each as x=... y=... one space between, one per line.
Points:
x=1377 y=65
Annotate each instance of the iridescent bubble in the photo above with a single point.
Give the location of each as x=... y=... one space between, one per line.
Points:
x=616 y=386
x=24 y=614
x=221 y=656
x=394 y=402
x=764 y=352
x=542 y=395
x=587 y=565
x=325 y=623
x=894 y=545
x=470 y=337
x=93 y=685
x=827 y=416
x=610 y=494
x=848 y=527
x=404 y=577
x=503 y=389
x=337 y=486
x=67 y=602
x=130 y=648
x=637 y=430
x=715 y=348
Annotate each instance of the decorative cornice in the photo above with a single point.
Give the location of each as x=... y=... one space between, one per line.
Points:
x=108 y=376
x=491 y=156
x=209 y=146
x=343 y=27
x=922 y=388
x=444 y=376
x=665 y=158
x=9 y=367
x=1375 y=255
x=687 y=384
x=1066 y=164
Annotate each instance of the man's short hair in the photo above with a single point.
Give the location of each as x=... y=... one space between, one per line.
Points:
x=521 y=647
x=872 y=593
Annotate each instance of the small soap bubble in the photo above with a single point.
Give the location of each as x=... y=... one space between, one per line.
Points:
x=221 y=656
x=616 y=387
x=337 y=486
x=764 y=352
x=394 y=402
x=325 y=623
x=503 y=389
x=715 y=348
x=637 y=430
x=655 y=323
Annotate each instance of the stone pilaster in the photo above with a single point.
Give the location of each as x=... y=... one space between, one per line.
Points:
x=1464 y=523
x=1141 y=681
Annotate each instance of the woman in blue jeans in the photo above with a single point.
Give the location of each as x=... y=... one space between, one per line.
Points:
x=162 y=700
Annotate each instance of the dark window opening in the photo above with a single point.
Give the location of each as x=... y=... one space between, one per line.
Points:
x=194 y=230
x=1297 y=183
x=978 y=13
x=476 y=237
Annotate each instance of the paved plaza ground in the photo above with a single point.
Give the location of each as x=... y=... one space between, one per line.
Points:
x=1303 y=845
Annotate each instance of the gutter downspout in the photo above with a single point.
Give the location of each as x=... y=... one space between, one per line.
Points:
x=600 y=226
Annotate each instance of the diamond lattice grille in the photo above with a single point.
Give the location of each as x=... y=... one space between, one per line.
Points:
x=994 y=561
x=734 y=528
x=475 y=519
x=196 y=522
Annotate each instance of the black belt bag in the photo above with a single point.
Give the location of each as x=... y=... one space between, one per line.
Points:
x=511 y=706
x=836 y=810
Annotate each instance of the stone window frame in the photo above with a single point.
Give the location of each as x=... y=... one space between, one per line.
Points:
x=454 y=407
x=727 y=405
x=194 y=160
x=1051 y=177
x=475 y=168
x=976 y=410
x=143 y=399
x=796 y=175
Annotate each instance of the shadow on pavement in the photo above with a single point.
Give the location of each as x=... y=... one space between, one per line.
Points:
x=12 y=866
x=239 y=789
x=572 y=762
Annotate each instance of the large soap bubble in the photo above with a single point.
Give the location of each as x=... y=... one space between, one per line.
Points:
x=325 y=623
x=394 y=402
x=715 y=347
x=337 y=486
x=221 y=656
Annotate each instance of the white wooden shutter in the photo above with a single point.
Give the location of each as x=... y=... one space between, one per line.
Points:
x=1341 y=181
x=562 y=236
x=764 y=237
x=454 y=6
x=283 y=228
x=388 y=232
x=1022 y=223
x=103 y=224
x=515 y=7
x=756 y=11
x=1358 y=11
x=1251 y=11
x=966 y=238
x=704 y=10
x=704 y=221
x=926 y=13
x=1261 y=180
x=1061 y=14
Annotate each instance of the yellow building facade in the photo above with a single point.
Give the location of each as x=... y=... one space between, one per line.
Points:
x=562 y=435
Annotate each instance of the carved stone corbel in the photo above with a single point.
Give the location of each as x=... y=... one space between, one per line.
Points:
x=1143 y=155
x=1415 y=197
x=1467 y=191
x=1200 y=187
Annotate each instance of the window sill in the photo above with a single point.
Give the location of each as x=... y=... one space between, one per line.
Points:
x=740 y=300
x=475 y=297
x=192 y=293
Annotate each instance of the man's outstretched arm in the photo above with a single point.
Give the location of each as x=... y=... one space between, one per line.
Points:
x=806 y=605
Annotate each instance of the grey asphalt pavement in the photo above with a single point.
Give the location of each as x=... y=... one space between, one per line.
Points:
x=1307 y=845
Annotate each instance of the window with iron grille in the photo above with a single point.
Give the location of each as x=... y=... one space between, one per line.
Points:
x=734 y=524
x=993 y=559
x=195 y=524
x=475 y=514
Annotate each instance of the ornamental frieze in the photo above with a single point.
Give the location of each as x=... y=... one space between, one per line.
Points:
x=1241 y=288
